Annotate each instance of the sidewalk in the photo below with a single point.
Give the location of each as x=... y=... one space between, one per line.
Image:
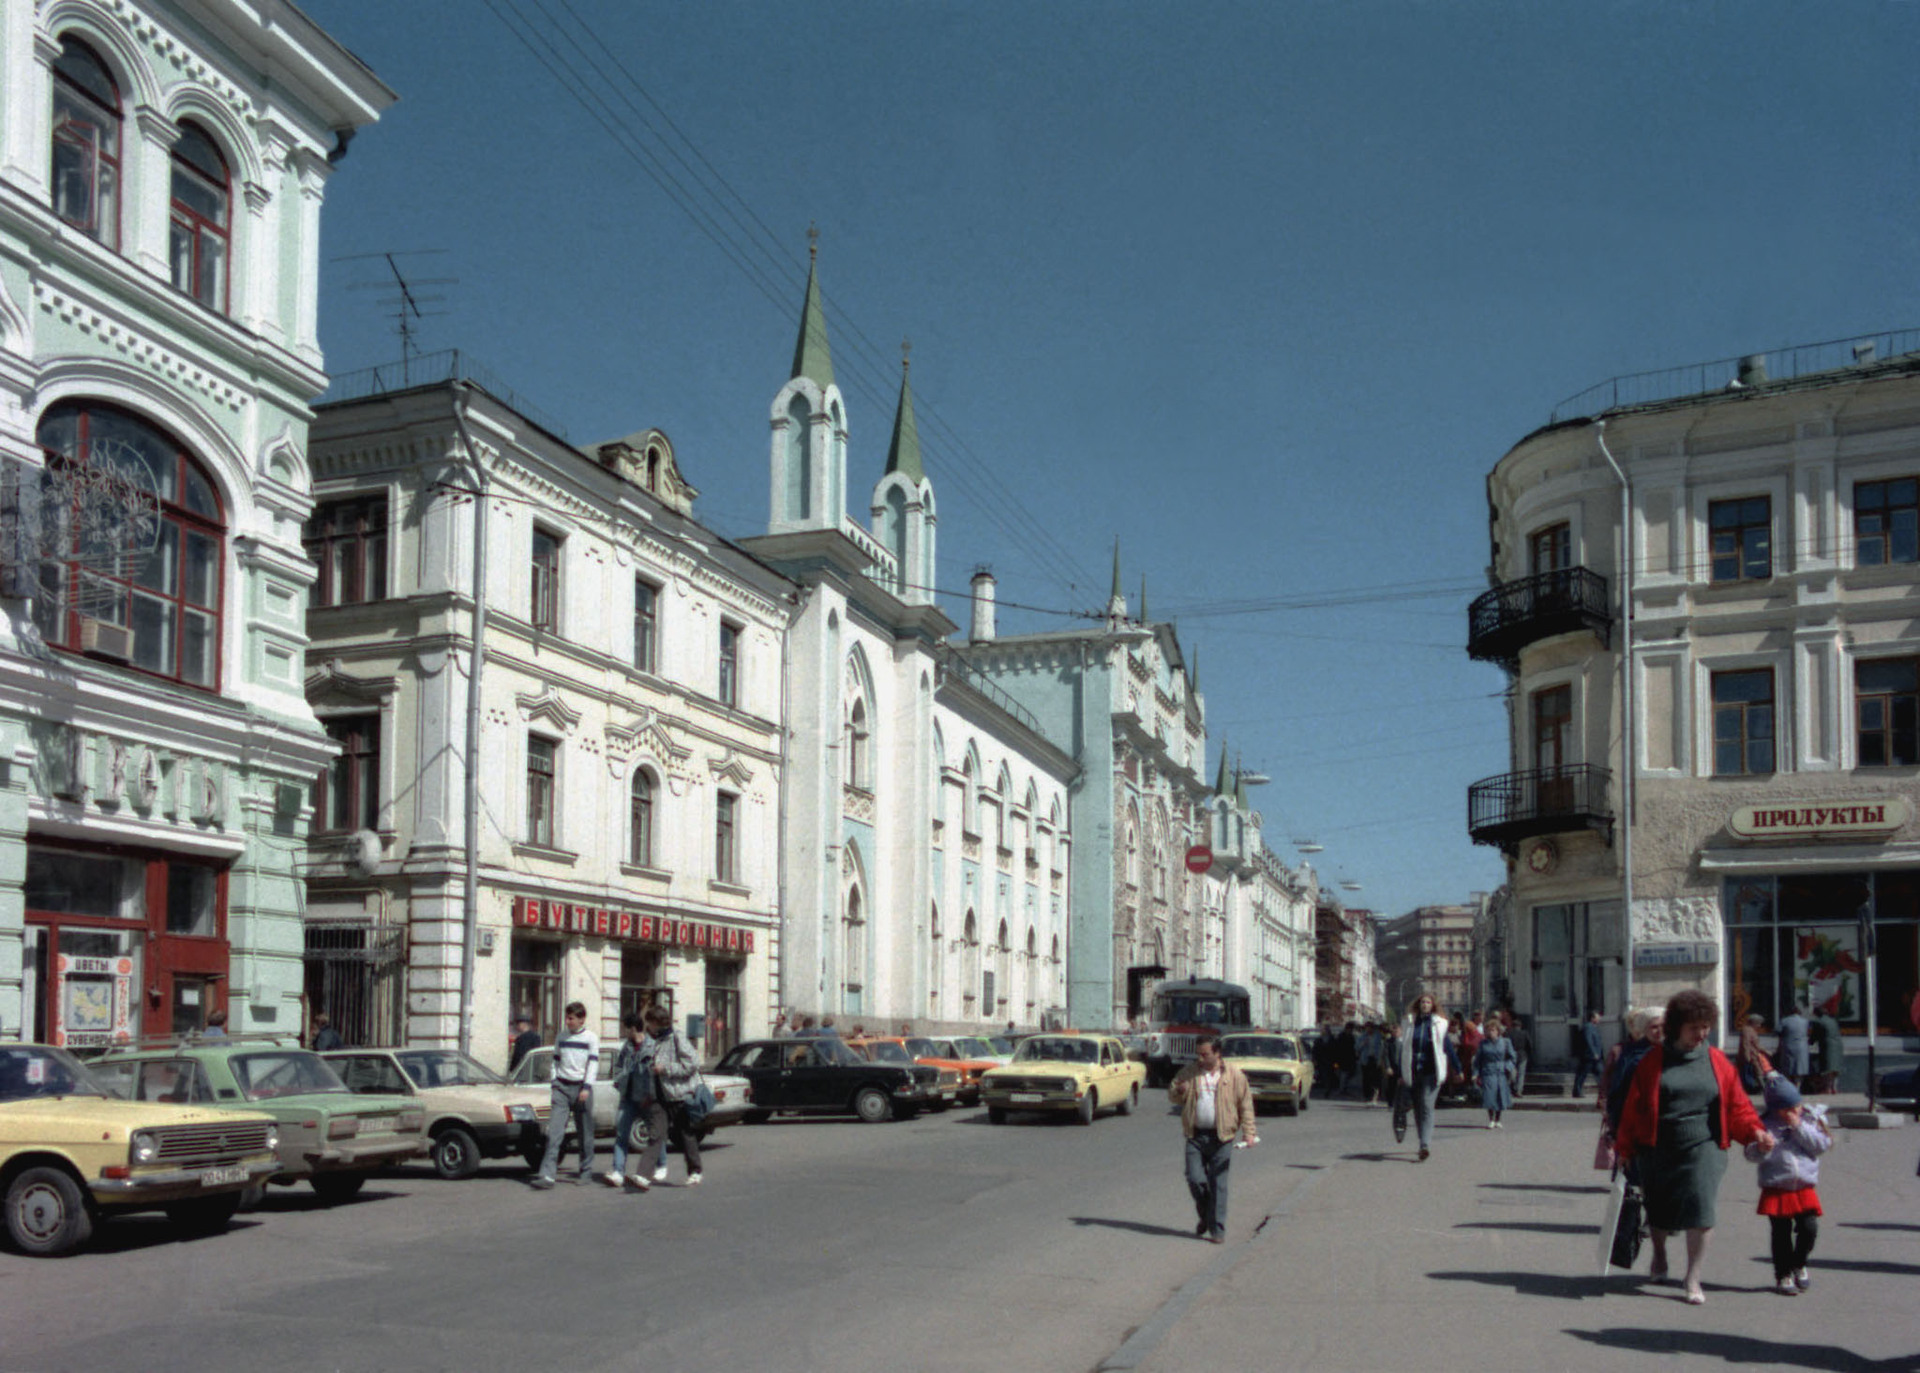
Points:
x=1485 y=1257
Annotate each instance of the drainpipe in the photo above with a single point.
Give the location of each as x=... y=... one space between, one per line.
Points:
x=1627 y=730
x=780 y=822
x=470 y=931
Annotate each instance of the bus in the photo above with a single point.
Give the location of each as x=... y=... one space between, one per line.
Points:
x=1181 y=1012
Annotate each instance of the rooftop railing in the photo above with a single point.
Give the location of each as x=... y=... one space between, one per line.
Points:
x=1700 y=378
x=433 y=369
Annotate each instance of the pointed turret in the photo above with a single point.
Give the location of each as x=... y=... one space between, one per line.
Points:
x=1143 y=598
x=903 y=455
x=1116 y=599
x=1240 y=789
x=812 y=358
x=1220 y=782
x=1193 y=673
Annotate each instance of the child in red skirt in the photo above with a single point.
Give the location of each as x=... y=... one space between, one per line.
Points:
x=1788 y=1175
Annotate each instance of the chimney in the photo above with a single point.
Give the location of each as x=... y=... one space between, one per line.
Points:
x=983 y=584
x=1753 y=369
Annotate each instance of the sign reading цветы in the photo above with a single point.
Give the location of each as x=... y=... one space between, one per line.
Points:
x=1821 y=819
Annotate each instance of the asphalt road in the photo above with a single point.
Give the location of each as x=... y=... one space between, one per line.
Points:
x=940 y=1243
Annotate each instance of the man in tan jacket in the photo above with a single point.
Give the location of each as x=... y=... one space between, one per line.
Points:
x=1216 y=1105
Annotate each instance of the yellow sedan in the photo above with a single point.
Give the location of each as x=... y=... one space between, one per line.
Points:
x=1278 y=1073
x=1083 y=1074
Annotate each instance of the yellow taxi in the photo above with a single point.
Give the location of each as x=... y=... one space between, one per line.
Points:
x=1278 y=1071
x=71 y=1152
x=1081 y=1073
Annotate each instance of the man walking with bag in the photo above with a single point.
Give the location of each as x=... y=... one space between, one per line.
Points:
x=676 y=1070
x=1216 y=1106
x=576 y=1061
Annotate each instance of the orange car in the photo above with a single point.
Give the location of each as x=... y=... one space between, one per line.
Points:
x=941 y=1053
x=896 y=1049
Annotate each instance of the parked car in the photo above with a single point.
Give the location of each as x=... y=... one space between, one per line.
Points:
x=825 y=1077
x=996 y=1051
x=328 y=1136
x=72 y=1153
x=893 y=1049
x=945 y=1053
x=731 y=1095
x=473 y=1113
x=1277 y=1072
x=1896 y=1087
x=1084 y=1074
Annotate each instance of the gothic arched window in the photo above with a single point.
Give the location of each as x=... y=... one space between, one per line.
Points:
x=799 y=460
x=157 y=610
x=86 y=143
x=199 y=233
x=640 y=821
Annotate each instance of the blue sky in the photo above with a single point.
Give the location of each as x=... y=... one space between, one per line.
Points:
x=1262 y=290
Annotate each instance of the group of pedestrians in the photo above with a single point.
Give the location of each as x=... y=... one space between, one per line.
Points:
x=1801 y=1041
x=656 y=1079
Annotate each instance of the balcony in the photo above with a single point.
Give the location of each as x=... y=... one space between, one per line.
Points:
x=1514 y=614
x=1504 y=810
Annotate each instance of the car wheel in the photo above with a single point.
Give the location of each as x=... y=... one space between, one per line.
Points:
x=757 y=1117
x=996 y=1115
x=47 y=1213
x=1125 y=1108
x=204 y=1215
x=534 y=1154
x=872 y=1106
x=456 y=1154
x=1085 y=1113
x=1302 y=1102
x=334 y=1188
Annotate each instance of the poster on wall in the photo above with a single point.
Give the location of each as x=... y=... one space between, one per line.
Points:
x=1827 y=971
x=96 y=1002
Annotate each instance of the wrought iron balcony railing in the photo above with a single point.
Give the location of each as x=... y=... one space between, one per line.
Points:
x=1514 y=614
x=1504 y=810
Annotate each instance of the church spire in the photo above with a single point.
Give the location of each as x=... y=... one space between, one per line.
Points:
x=1193 y=673
x=1116 y=599
x=1220 y=782
x=812 y=358
x=1143 y=598
x=903 y=455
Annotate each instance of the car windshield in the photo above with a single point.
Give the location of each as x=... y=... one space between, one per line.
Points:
x=1052 y=1049
x=286 y=1072
x=976 y=1048
x=998 y=1045
x=31 y=1070
x=1258 y=1046
x=447 y=1068
x=923 y=1048
x=836 y=1051
x=889 y=1053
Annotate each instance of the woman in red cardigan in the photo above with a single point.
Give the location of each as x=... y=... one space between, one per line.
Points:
x=1685 y=1106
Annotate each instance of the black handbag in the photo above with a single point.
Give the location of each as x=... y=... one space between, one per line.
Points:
x=1628 y=1230
x=1402 y=1106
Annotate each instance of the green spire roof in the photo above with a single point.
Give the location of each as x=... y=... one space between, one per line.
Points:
x=1193 y=673
x=1118 y=594
x=1143 y=598
x=1220 y=782
x=1240 y=791
x=812 y=358
x=903 y=455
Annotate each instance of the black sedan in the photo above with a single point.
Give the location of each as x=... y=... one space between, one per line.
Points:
x=825 y=1077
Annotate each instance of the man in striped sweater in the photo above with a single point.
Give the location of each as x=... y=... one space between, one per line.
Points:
x=576 y=1062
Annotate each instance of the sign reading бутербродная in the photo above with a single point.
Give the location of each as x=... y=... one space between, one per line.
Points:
x=1822 y=819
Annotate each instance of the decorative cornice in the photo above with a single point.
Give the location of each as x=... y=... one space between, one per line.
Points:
x=333 y=683
x=730 y=767
x=136 y=346
x=549 y=705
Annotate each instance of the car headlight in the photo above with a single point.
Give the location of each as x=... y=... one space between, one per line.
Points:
x=144 y=1147
x=519 y=1112
x=343 y=1127
x=273 y=1137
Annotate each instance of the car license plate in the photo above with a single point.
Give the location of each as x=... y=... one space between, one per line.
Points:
x=221 y=1177
x=1029 y=1096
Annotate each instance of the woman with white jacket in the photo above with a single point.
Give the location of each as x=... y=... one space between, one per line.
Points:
x=1425 y=1059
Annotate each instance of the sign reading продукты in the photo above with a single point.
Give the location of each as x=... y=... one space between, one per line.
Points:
x=1820 y=820
x=1675 y=955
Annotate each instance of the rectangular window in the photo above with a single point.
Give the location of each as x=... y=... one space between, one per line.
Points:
x=1742 y=538
x=724 y=838
x=1742 y=722
x=1550 y=549
x=540 y=791
x=347 y=794
x=646 y=625
x=546 y=582
x=729 y=688
x=534 y=979
x=347 y=540
x=643 y=981
x=1886 y=522
x=1886 y=694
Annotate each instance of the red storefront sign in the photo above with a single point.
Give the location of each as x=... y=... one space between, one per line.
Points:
x=531 y=913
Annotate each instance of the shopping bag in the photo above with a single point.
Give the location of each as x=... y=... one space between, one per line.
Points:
x=1402 y=1105
x=1627 y=1228
x=1603 y=1155
x=1610 y=1222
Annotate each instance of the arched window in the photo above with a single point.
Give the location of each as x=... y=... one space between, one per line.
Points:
x=199 y=233
x=859 y=746
x=640 y=821
x=969 y=796
x=855 y=945
x=1133 y=855
x=934 y=970
x=158 y=611
x=799 y=460
x=896 y=537
x=86 y=143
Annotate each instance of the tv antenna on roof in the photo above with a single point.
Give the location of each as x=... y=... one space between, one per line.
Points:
x=404 y=299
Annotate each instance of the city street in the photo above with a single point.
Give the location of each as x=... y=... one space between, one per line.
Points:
x=949 y=1244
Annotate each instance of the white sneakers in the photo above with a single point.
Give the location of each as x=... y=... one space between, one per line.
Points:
x=660 y=1173
x=611 y=1179
x=1787 y=1288
x=693 y=1179
x=635 y=1182
x=1801 y=1280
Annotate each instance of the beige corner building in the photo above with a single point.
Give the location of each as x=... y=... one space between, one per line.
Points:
x=1770 y=814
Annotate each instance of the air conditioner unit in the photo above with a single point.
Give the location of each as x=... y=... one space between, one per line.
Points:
x=106 y=639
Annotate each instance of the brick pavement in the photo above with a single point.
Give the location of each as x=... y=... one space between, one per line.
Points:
x=1485 y=1257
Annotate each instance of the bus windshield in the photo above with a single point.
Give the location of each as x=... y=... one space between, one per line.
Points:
x=1201 y=1010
